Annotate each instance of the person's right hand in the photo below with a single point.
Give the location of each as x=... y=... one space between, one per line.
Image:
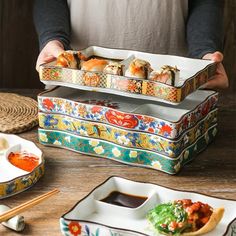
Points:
x=50 y=51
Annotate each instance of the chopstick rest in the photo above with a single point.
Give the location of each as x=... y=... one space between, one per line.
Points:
x=16 y=223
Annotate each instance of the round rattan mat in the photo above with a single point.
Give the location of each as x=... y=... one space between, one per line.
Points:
x=17 y=113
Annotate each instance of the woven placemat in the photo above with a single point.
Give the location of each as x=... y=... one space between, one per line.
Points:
x=17 y=113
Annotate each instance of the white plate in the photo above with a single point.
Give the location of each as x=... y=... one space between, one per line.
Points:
x=94 y=217
x=12 y=178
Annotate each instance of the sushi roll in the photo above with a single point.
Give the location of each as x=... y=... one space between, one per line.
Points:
x=167 y=75
x=68 y=60
x=114 y=68
x=94 y=65
x=139 y=69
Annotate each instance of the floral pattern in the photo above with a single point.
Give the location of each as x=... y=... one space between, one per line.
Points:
x=74 y=228
x=171 y=148
x=127 y=155
x=125 y=84
x=55 y=74
x=91 y=79
x=80 y=228
x=137 y=122
x=21 y=183
x=121 y=119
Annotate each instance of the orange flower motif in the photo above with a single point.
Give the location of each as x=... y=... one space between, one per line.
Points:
x=165 y=129
x=96 y=109
x=75 y=228
x=82 y=110
x=121 y=119
x=147 y=119
x=151 y=130
x=48 y=104
x=91 y=79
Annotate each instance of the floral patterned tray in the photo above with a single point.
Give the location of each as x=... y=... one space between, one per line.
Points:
x=193 y=74
x=93 y=217
x=14 y=179
x=128 y=138
x=127 y=155
x=152 y=118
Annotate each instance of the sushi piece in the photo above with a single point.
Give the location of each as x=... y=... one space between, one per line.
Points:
x=167 y=75
x=94 y=65
x=139 y=69
x=81 y=56
x=114 y=68
x=68 y=60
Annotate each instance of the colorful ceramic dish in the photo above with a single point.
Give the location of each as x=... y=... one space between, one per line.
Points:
x=128 y=138
x=131 y=156
x=21 y=165
x=130 y=131
x=106 y=211
x=134 y=114
x=173 y=77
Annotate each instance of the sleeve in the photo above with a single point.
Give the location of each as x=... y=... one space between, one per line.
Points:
x=52 y=21
x=205 y=27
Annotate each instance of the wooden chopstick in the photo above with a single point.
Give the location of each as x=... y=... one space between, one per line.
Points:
x=23 y=207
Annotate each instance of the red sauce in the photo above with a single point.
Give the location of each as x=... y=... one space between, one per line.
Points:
x=23 y=160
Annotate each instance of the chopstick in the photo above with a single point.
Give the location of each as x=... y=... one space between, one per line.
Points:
x=25 y=206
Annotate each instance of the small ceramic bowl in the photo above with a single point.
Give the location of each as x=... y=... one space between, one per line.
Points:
x=14 y=178
x=93 y=215
x=193 y=73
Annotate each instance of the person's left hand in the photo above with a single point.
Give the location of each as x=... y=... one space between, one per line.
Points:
x=220 y=79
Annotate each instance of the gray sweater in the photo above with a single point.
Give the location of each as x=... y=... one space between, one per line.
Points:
x=181 y=27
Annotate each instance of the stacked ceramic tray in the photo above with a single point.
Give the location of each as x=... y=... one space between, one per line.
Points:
x=134 y=128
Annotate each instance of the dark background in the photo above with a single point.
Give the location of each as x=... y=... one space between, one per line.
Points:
x=19 y=45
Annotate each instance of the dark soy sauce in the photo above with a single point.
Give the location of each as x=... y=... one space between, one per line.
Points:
x=123 y=199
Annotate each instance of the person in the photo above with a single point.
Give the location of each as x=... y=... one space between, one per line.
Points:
x=192 y=28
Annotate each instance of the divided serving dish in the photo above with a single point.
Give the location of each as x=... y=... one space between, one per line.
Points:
x=91 y=216
x=13 y=177
x=192 y=74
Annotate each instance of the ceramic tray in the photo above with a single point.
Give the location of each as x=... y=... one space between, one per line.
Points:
x=128 y=138
x=13 y=179
x=151 y=117
x=130 y=156
x=193 y=74
x=93 y=217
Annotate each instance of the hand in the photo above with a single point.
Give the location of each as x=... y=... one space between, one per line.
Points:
x=220 y=79
x=50 y=51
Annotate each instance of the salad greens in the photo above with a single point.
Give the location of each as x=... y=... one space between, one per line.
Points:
x=169 y=218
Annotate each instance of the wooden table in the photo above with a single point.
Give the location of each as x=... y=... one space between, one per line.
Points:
x=213 y=172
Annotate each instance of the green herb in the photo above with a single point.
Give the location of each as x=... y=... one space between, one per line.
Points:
x=163 y=216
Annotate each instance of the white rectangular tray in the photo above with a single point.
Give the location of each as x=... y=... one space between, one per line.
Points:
x=95 y=217
x=193 y=74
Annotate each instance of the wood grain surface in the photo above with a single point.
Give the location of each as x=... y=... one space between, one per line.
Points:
x=212 y=172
